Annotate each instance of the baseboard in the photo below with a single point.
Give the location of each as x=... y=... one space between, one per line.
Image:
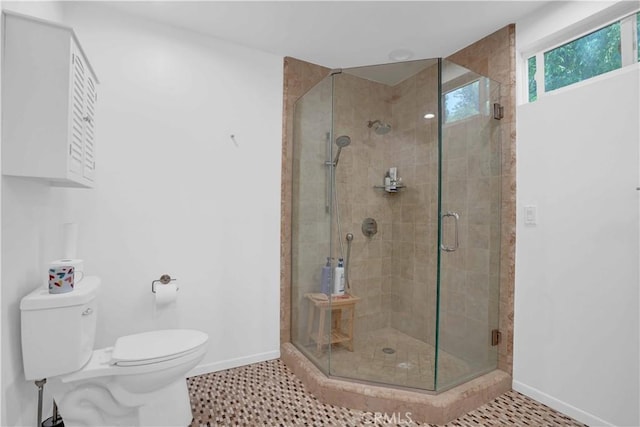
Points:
x=558 y=405
x=233 y=363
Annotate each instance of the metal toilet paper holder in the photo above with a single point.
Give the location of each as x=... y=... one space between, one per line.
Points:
x=165 y=279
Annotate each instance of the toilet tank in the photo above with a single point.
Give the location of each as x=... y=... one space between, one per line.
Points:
x=58 y=330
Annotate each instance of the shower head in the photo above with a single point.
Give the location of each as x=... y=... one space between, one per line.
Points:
x=341 y=141
x=379 y=127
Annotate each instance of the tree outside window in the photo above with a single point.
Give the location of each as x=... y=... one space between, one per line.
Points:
x=581 y=59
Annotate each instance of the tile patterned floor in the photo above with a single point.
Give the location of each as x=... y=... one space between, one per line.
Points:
x=268 y=394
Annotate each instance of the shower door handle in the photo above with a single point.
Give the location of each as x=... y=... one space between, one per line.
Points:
x=455 y=217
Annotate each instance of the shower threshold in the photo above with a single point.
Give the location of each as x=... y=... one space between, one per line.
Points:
x=424 y=406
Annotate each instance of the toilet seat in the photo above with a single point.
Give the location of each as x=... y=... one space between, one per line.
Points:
x=156 y=346
x=189 y=345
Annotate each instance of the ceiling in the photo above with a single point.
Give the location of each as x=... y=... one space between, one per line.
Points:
x=340 y=34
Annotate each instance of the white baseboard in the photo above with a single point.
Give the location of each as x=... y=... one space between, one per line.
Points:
x=233 y=363
x=558 y=405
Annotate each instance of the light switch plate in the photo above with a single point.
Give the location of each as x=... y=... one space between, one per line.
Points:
x=530 y=215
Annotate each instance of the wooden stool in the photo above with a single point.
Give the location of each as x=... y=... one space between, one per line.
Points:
x=337 y=305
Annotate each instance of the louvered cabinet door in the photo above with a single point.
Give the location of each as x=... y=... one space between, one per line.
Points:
x=89 y=160
x=48 y=103
x=78 y=114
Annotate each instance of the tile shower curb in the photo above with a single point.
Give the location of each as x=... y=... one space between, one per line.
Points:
x=421 y=407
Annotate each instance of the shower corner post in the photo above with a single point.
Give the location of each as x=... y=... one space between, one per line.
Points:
x=286 y=198
x=439 y=252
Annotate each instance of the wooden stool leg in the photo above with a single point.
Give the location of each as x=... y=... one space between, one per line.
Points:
x=321 y=330
x=336 y=319
x=350 y=331
x=310 y=316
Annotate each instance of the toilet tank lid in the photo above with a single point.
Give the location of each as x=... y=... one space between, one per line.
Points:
x=157 y=344
x=40 y=298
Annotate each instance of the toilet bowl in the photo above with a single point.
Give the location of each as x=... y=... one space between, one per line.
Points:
x=139 y=381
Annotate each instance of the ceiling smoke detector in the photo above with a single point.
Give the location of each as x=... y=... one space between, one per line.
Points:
x=401 y=54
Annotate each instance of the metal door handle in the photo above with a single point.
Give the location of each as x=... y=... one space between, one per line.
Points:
x=444 y=247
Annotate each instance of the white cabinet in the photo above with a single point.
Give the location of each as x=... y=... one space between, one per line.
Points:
x=48 y=103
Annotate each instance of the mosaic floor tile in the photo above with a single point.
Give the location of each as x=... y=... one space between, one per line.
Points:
x=268 y=394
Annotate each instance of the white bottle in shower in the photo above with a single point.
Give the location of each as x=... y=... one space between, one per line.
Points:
x=338 y=278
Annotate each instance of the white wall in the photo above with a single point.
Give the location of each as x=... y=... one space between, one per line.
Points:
x=174 y=195
x=28 y=216
x=577 y=333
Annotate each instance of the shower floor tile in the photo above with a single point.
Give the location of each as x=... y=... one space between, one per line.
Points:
x=411 y=363
x=268 y=394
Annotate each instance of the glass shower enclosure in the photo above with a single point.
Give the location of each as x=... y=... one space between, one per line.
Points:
x=396 y=170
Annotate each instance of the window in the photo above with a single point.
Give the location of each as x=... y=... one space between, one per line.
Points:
x=533 y=88
x=638 y=35
x=589 y=56
x=462 y=102
x=606 y=49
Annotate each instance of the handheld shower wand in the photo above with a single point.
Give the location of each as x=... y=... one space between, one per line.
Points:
x=346 y=263
x=341 y=141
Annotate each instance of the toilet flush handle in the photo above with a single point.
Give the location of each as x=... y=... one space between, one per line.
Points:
x=87 y=312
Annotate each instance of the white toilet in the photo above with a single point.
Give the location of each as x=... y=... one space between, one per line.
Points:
x=140 y=381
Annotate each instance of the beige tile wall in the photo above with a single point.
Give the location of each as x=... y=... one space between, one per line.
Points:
x=393 y=272
x=361 y=166
x=414 y=148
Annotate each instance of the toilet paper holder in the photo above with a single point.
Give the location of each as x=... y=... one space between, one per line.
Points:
x=165 y=279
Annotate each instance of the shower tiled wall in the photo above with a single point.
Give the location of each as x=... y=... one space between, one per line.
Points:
x=362 y=165
x=414 y=150
x=393 y=271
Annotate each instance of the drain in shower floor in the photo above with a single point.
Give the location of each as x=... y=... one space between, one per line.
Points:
x=388 y=350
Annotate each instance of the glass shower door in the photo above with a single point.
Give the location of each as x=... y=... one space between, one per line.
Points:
x=470 y=188
x=384 y=109
x=311 y=220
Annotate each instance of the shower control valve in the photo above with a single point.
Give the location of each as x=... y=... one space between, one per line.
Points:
x=369 y=227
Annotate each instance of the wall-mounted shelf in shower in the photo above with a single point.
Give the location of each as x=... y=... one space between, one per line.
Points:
x=390 y=189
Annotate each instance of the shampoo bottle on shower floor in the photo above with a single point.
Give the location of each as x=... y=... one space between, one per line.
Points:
x=325 y=281
x=338 y=278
